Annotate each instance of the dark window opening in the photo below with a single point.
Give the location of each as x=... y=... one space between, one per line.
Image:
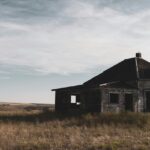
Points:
x=148 y=101
x=129 y=102
x=114 y=98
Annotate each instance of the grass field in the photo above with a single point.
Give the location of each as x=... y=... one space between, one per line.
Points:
x=35 y=128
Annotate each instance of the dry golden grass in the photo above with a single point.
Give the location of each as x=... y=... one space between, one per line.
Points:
x=38 y=130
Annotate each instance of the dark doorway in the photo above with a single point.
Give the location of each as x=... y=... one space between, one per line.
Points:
x=93 y=100
x=148 y=101
x=128 y=102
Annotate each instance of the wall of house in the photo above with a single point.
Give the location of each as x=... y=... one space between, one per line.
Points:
x=106 y=106
x=98 y=99
x=91 y=100
x=144 y=86
x=63 y=100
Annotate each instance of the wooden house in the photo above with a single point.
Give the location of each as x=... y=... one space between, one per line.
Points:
x=123 y=87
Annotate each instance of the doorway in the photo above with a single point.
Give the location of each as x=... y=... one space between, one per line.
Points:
x=129 y=102
x=147 y=94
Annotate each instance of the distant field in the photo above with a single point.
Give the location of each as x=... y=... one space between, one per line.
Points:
x=37 y=127
x=28 y=106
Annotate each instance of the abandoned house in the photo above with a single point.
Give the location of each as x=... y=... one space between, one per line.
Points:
x=123 y=87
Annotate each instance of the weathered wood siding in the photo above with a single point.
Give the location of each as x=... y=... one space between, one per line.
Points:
x=144 y=85
x=106 y=106
x=62 y=101
x=97 y=99
x=91 y=100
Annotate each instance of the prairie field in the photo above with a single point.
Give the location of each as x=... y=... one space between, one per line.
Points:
x=35 y=127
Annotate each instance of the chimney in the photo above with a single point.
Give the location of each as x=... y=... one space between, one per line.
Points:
x=138 y=55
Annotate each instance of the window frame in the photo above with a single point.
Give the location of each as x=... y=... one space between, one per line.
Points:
x=112 y=103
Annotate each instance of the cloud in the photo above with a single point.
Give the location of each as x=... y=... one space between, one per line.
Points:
x=4 y=77
x=73 y=36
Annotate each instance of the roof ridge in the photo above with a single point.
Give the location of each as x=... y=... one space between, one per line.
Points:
x=137 y=68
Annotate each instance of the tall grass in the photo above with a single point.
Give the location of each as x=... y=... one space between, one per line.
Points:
x=38 y=130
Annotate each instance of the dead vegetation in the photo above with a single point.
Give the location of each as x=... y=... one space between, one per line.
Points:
x=41 y=129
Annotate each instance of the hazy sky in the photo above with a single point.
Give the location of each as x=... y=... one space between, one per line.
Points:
x=46 y=44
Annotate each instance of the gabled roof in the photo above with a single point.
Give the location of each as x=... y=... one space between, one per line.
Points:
x=128 y=70
x=132 y=69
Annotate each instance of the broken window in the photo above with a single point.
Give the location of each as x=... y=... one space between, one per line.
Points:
x=73 y=99
x=114 y=98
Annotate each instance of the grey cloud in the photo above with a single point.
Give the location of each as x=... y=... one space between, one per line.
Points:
x=45 y=10
x=69 y=36
x=54 y=11
x=124 y=6
x=30 y=10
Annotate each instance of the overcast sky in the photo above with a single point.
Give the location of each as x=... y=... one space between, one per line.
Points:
x=46 y=44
